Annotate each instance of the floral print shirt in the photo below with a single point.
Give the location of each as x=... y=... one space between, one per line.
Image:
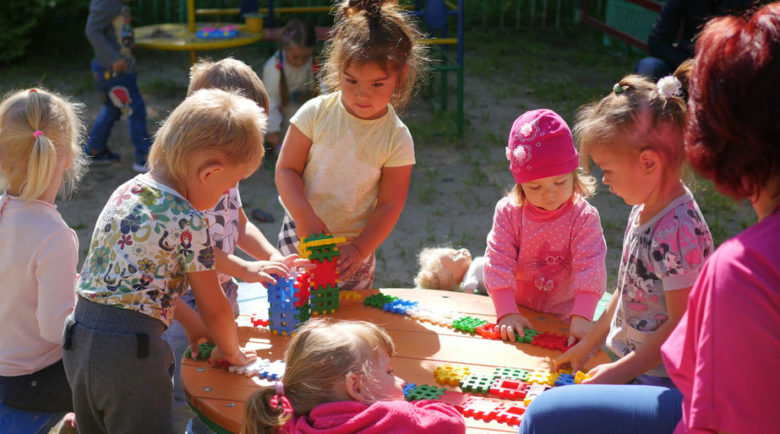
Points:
x=146 y=240
x=664 y=254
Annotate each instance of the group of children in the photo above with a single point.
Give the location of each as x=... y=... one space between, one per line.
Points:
x=159 y=274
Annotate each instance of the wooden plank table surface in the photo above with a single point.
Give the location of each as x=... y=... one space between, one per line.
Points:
x=421 y=346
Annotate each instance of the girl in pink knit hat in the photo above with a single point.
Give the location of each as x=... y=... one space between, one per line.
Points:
x=546 y=250
x=635 y=135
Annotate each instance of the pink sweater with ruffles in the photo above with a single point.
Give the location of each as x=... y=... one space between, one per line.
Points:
x=549 y=261
x=385 y=417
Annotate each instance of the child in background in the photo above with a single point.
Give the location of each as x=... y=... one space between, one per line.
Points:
x=228 y=226
x=347 y=158
x=352 y=389
x=40 y=154
x=450 y=269
x=546 y=250
x=149 y=242
x=635 y=135
x=290 y=75
x=111 y=35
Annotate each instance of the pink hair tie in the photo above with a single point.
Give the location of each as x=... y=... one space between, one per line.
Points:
x=279 y=388
x=37 y=133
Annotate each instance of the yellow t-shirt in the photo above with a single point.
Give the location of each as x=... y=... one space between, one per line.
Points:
x=345 y=161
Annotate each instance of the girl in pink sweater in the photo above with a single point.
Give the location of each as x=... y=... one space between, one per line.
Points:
x=546 y=250
x=339 y=379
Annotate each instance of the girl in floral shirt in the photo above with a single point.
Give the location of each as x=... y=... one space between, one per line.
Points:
x=149 y=242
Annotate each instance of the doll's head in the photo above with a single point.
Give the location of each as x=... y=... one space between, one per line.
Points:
x=442 y=267
x=544 y=162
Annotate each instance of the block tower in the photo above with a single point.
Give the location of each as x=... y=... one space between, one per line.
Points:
x=322 y=251
x=288 y=302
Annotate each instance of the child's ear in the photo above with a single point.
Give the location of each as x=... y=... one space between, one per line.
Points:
x=353 y=386
x=209 y=170
x=650 y=161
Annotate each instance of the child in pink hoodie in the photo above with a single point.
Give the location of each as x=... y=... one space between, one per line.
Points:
x=546 y=250
x=339 y=379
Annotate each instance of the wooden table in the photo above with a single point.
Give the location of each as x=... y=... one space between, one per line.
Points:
x=219 y=395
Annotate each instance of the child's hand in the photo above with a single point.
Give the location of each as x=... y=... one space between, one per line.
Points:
x=350 y=259
x=195 y=335
x=608 y=373
x=260 y=271
x=578 y=328
x=239 y=358
x=509 y=324
x=575 y=357
x=293 y=261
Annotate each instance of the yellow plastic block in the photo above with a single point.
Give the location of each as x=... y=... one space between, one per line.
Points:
x=579 y=376
x=450 y=374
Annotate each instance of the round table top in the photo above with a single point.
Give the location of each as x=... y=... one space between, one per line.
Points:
x=421 y=347
x=174 y=36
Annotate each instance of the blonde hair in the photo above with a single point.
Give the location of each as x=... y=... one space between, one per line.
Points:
x=375 y=31
x=209 y=120
x=231 y=75
x=617 y=120
x=585 y=185
x=432 y=274
x=318 y=359
x=29 y=162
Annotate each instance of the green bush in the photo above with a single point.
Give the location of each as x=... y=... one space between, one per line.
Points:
x=17 y=19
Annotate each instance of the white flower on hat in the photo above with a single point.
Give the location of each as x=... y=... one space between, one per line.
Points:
x=669 y=86
x=527 y=129
x=522 y=154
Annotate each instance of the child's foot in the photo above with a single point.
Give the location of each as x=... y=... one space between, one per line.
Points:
x=261 y=216
x=103 y=157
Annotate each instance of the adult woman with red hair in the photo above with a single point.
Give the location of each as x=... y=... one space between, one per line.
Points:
x=723 y=354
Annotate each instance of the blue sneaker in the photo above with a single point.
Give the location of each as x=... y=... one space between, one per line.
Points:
x=103 y=157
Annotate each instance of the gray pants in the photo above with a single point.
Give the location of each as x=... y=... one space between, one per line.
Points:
x=119 y=369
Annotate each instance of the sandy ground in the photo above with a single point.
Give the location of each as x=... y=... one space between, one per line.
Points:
x=454 y=187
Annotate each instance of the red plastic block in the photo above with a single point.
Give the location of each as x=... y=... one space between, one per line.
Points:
x=482 y=408
x=509 y=389
x=511 y=414
x=323 y=274
x=257 y=321
x=488 y=331
x=551 y=340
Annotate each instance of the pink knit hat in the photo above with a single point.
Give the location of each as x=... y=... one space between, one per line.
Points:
x=540 y=146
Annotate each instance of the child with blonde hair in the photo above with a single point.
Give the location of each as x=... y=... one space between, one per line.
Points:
x=290 y=75
x=40 y=155
x=347 y=158
x=229 y=227
x=546 y=250
x=450 y=269
x=149 y=242
x=339 y=378
x=635 y=135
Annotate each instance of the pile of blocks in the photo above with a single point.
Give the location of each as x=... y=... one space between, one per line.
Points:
x=323 y=253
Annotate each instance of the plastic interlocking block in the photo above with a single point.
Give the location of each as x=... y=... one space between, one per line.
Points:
x=320 y=247
x=510 y=414
x=540 y=377
x=476 y=383
x=488 y=331
x=450 y=374
x=324 y=300
x=204 y=351
x=350 y=294
x=564 y=380
x=399 y=306
x=579 y=376
x=534 y=391
x=551 y=340
x=283 y=293
x=273 y=370
x=527 y=337
x=481 y=408
x=408 y=387
x=425 y=391
x=323 y=274
x=512 y=373
x=251 y=368
x=467 y=324
x=378 y=300
x=434 y=316
x=508 y=388
x=284 y=322
x=257 y=321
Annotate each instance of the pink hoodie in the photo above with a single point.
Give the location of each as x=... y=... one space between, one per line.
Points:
x=386 y=417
